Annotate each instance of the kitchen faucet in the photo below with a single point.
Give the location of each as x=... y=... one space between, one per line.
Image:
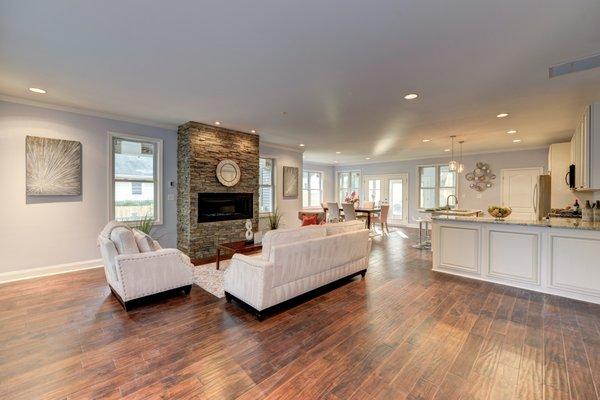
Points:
x=448 y=201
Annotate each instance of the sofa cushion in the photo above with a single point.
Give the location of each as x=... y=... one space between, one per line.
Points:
x=124 y=240
x=343 y=227
x=285 y=236
x=144 y=242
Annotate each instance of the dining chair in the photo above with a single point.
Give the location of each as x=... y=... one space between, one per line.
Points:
x=349 y=212
x=382 y=218
x=333 y=212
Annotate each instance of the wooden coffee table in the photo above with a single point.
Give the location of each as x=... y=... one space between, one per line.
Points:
x=237 y=247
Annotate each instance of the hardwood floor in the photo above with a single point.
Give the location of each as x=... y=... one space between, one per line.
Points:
x=403 y=332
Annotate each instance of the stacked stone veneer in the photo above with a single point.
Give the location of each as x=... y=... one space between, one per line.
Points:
x=200 y=148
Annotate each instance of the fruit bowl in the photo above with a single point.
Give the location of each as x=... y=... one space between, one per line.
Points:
x=499 y=212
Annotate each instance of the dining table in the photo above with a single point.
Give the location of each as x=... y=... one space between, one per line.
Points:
x=363 y=210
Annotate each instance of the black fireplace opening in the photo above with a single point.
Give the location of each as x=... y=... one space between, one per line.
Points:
x=224 y=206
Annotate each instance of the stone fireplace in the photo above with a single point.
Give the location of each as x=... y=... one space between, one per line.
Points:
x=224 y=209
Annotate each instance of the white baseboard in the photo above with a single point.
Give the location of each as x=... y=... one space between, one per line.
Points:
x=19 y=275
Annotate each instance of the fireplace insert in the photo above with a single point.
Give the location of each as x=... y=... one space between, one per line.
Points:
x=224 y=206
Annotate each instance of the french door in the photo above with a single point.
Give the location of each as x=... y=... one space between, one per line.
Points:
x=390 y=189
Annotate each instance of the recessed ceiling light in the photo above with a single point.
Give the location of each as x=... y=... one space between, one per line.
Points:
x=37 y=90
x=217 y=122
x=338 y=152
x=426 y=140
x=367 y=158
x=511 y=131
x=253 y=131
x=502 y=115
x=411 y=96
x=516 y=140
x=446 y=150
x=301 y=145
x=335 y=161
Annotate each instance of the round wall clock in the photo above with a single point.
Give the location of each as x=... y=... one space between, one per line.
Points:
x=228 y=173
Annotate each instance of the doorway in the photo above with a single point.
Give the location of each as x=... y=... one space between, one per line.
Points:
x=518 y=191
x=391 y=189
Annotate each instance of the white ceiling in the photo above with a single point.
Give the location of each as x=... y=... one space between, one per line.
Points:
x=330 y=74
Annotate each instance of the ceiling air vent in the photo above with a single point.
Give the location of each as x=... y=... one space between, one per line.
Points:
x=574 y=66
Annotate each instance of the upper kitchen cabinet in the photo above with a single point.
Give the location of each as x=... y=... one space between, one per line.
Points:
x=585 y=149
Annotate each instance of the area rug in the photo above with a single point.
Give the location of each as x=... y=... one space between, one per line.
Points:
x=209 y=278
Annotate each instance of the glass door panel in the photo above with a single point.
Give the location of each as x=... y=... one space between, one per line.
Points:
x=396 y=199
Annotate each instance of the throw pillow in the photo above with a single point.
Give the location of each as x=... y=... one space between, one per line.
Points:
x=124 y=241
x=309 y=220
x=143 y=241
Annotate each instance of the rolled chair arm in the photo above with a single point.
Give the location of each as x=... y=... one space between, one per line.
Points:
x=153 y=272
x=245 y=279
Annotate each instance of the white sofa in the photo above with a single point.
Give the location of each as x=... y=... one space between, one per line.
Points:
x=136 y=266
x=296 y=261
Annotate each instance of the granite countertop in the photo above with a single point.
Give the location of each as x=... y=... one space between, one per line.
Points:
x=452 y=211
x=568 y=223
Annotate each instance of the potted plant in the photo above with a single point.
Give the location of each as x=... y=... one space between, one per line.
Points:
x=274 y=219
x=146 y=224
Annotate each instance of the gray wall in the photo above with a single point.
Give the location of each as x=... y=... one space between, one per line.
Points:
x=54 y=231
x=468 y=198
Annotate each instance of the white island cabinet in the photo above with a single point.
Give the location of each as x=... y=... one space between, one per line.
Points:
x=556 y=256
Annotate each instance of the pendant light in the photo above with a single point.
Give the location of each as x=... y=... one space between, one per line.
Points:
x=452 y=165
x=461 y=166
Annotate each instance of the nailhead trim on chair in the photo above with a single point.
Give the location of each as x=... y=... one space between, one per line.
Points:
x=125 y=297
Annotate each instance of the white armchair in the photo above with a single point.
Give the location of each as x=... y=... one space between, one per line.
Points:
x=136 y=266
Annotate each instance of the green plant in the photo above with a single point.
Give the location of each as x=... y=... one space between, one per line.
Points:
x=274 y=219
x=145 y=224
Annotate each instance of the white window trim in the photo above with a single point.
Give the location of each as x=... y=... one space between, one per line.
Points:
x=337 y=183
x=273 y=185
x=437 y=187
x=159 y=174
x=320 y=189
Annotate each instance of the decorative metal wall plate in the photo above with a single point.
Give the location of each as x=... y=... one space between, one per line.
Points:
x=228 y=173
x=481 y=177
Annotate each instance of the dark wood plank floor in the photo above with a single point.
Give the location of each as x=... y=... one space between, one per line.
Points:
x=403 y=332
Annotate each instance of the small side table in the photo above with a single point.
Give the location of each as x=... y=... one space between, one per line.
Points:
x=237 y=247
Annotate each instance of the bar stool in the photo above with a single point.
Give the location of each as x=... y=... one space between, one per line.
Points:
x=424 y=240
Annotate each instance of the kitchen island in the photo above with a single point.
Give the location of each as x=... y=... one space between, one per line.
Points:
x=559 y=256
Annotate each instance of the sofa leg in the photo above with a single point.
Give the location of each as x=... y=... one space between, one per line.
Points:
x=260 y=316
x=187 y=289
x=228 y=297
x=363 y=273
x=126 y=305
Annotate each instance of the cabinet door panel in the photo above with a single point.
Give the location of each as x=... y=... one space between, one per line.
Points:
x=575 y=263
x=514 y=255
x=459 y=248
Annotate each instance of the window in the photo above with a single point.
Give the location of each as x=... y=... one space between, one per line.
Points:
x=135 y=170
x=266 y=202
x=374 y=190
x=436 y=183
x=348 y=182
x=312 y=189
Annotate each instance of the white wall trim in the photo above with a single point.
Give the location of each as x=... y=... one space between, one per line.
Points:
x=12 y=276
x=282 y=147
x=91 y=113
x=431 y=157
